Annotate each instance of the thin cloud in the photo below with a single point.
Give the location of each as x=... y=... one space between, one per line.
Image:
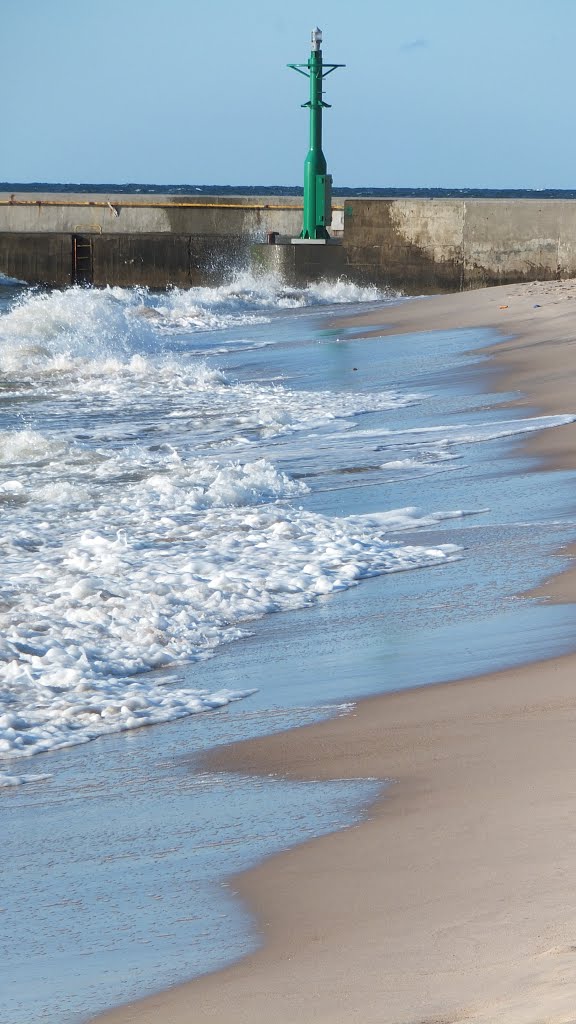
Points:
x=415 y=44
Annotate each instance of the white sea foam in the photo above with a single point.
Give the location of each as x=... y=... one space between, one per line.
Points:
x=248 y=294
x=59 y=329
x=174 y=566
x=147 y=519
x=8 y=282
x=27 y=447
x=83 y=348
x=437 y=440
x=469 y=433
x=432 y=444
x=83 y=343
x=48 y=329
x=7 y=780
x=417 y=448
x=402 y=464
x=122 y=558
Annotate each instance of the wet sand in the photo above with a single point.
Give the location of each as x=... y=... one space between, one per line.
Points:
x=455 y=900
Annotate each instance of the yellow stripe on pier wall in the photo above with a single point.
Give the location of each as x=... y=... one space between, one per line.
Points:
x=252 y=216
x=116 y=204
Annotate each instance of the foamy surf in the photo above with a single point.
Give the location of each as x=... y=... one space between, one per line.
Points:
x=133 y=542
x=66 y=324
x=96 y=602
x=151 y=511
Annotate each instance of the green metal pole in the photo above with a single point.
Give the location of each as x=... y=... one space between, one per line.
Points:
x=317 y=183
x=315 y=163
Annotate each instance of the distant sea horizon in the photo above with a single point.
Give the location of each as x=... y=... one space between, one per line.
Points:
x=133 y=188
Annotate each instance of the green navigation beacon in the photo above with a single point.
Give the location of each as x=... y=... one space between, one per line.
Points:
x=317 y=183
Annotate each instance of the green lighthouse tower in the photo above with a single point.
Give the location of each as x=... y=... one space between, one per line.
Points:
x=317 y=183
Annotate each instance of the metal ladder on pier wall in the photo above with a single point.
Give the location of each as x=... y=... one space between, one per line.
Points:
x=81 y=259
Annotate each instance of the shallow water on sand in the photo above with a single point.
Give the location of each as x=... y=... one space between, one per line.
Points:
x=195 y=462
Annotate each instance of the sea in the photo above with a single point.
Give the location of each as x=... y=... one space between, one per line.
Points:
x=226 y=512
x=133 y=188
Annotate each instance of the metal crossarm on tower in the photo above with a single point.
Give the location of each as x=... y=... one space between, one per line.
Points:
x=317 y=183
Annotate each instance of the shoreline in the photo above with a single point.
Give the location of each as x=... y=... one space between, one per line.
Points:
x=452 y=900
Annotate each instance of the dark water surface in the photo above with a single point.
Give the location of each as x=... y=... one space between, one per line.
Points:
x=133 y=188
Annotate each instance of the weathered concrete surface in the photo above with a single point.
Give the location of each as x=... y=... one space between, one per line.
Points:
x=155 y=241
x=417 y=245
x=38 y=259
x=155 y=261
x=519 y=241
x=430 y=245
x=299 y=264
x=92 y=213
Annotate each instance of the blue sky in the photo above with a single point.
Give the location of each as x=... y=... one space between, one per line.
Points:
x=435 y=92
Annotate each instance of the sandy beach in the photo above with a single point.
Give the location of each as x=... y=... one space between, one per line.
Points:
x=455 y=900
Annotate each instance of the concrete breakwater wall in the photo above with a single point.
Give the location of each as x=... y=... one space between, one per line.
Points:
x=435 y=245
x=418 y=245
x=59 y=239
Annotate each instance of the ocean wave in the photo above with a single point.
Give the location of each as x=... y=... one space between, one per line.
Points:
x=90 y=613
x=57 y=330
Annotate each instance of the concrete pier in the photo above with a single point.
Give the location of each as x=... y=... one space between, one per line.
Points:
x=433 y=245
x=300 y=263
x=417 y=245
x=157 y=241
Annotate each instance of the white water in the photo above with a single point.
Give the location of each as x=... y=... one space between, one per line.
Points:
x=145 y=518
x=171 y=473
x=42 y=329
